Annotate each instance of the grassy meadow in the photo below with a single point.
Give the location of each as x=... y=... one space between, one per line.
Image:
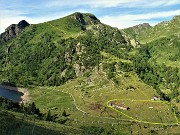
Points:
x=86 y=101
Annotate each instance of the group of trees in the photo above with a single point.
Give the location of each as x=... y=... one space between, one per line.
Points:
x=155 y=74
x=29 y=109
x=35 y=64
x=10 y=124
x=8 y=104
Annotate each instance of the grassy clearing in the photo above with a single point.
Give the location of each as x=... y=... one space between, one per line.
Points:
x=91 y=94
x=146 y=129
x=47 y=98
x=147 y=111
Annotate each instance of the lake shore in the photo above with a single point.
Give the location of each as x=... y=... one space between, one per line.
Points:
x=26 y=95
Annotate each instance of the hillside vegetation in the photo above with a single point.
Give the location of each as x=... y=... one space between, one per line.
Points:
x=158 y=59
x=55 y=51
x=135 y=31
x=164 y=29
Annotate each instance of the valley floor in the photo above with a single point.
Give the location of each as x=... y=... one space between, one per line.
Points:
x=86 y=100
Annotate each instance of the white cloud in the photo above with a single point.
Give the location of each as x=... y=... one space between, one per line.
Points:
x=119 y=23
x=124 y=21
x=109 y=3
x=6 y=21
x=157 y=3
x=112 y=3
x=15 y=16
x=152 y=15
x=172 y=2
x=91 y=3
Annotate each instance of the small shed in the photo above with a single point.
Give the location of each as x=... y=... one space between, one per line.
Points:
x=119 y=106
x=155 y=98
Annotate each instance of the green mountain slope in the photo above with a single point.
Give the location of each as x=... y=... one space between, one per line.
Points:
x=164 y=29
x=53 y=52
x=135 y=31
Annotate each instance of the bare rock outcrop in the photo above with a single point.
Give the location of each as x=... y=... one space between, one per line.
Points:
x=13 y=30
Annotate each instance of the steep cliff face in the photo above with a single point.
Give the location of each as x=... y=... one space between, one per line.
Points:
x=13 y=30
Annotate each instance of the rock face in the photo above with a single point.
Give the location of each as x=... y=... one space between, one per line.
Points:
x=86 y=18
x=13 y=30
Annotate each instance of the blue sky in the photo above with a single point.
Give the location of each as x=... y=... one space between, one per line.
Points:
x=117 y=13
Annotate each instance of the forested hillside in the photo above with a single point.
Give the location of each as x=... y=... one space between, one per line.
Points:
x=54 y=52
x=157 y=60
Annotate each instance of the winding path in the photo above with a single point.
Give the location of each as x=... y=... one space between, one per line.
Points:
x=133 y=120
x=86 y=113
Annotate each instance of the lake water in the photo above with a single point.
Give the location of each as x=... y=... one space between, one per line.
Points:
x=10 y=94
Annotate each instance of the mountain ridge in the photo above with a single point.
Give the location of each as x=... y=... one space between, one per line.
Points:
x=162 y=29
x=137 y=29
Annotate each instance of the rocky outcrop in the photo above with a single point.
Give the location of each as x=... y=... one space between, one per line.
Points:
x=136 y=30
x=142 y=26
x=130 y=40
x=13 y=30
x=86 y=18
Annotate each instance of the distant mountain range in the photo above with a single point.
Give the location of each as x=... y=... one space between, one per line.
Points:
x=146 y=33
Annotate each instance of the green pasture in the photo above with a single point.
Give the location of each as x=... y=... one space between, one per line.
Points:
x=147 y=111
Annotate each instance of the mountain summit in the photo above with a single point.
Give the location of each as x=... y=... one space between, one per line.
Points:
x=22 y=24
x=85 y=19
x=13 y=30
x=136 y=30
